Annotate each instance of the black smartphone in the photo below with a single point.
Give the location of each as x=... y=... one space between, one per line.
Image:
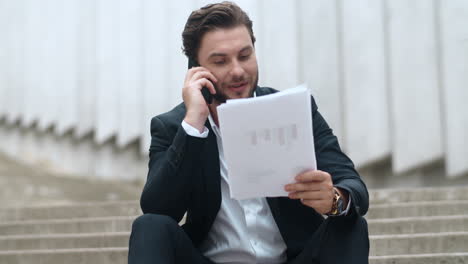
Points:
x=205 y=92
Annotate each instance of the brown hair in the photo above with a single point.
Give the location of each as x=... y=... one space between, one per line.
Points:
x=211 y=17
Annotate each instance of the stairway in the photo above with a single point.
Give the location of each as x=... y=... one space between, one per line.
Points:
x=426 y=225
x=75 y=233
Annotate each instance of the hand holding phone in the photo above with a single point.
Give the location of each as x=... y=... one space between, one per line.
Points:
x=199 y=87
x=205 y=92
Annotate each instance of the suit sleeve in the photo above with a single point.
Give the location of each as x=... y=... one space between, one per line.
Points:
x=331 y=159
x=172 y=168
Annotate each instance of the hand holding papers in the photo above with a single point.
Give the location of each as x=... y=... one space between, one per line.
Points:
x=267 y=141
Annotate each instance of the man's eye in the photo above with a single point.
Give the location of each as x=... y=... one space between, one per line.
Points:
x=244 y=57
x=219 y=62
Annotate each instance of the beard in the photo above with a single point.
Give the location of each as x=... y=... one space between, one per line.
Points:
x=220 y=97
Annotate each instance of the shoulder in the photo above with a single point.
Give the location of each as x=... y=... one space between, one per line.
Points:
x=264 y=90
x=171 y=119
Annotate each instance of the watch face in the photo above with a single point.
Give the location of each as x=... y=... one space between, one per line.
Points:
x=340 y=206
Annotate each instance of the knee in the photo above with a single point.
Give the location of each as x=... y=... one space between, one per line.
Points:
x=362 y=231
x=349 y=236
x=153 y=223
x=356 y=224
x=358 y=229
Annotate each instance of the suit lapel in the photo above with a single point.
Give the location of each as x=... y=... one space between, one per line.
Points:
x=212 y=174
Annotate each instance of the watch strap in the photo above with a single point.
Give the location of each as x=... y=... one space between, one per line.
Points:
x=337 y=204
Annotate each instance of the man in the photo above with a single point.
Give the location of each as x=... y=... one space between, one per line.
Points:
x=187 y=172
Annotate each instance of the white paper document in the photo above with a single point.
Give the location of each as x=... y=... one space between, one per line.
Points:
x=267 y=141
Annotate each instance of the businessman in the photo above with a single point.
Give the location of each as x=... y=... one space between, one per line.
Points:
x=188 y=173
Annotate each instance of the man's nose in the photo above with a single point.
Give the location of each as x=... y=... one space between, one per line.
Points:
x=237 y=70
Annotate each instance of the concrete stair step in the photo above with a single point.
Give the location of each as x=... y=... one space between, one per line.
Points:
x=67 y=226
x=414 y=209
x=64 y=241
x=74 y=210
x=76 y=256
x=438 y=258
x=131 y=208
x=412 y=225
x=428 y=243
x=381 y=245
x=119 y=256
x=406 y=225
x=394 y=206
x=401 y=195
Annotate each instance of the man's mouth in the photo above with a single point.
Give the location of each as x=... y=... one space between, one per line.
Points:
x=238 y=87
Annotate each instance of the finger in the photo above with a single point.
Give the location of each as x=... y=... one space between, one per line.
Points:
x=300 y=187
x=313 y=176
x=311 y=195
x=206 y=83
x=320 y=206
x=204 y=74
x=313 y=203
x=192 y=71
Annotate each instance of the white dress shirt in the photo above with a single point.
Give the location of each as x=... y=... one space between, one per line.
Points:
x=244 y=231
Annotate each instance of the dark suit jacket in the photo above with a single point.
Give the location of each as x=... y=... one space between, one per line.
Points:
x=184 y=176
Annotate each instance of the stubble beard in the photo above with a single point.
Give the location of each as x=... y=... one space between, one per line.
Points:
x=221 y=97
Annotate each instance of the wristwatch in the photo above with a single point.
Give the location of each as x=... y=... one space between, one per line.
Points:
x=337 y=205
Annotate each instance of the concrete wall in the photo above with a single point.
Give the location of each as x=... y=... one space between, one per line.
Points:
x=81 y=79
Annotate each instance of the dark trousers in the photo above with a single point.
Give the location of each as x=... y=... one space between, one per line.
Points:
x=159 y=239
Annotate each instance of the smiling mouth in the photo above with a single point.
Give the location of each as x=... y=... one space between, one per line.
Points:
x=237 y=87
